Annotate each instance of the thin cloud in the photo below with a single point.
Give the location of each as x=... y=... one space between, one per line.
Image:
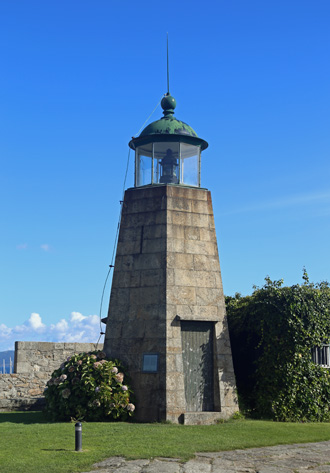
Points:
x=22 y=246
x=5 y=331
x=45 y=247
x=76 y=328
x=288 y=201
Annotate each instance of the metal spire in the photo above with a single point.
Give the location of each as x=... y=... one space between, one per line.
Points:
x=168 y=72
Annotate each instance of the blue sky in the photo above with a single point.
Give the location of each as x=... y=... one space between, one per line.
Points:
x=78 y=80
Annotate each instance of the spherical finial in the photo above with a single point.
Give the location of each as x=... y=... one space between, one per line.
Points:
x=168 y=104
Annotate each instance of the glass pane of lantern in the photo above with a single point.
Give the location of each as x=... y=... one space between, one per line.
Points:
x=190 y=165
x=167 y=155
x=157 y=171
x=143 y=163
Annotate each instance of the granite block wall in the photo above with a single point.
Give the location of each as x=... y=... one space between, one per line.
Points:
x=167 y=272
x=34 y=364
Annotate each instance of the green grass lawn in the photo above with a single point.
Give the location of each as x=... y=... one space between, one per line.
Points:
x=29 y=444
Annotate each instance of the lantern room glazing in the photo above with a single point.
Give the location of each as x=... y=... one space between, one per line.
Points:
x=168 y=151
x=167 y=163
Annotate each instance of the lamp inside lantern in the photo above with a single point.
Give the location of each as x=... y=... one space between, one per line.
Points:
x=169 y=166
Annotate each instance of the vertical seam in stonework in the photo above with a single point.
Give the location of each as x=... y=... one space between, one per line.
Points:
x=165 y=196
x=165 y=280
x=141 y=240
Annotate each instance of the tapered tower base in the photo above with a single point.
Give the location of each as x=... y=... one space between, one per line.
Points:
x=166 y=317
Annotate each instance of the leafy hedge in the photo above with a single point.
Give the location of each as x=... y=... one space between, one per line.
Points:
x=272 y=333
x=89 y=387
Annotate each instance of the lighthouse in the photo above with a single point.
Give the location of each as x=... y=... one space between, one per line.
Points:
x=167 y=320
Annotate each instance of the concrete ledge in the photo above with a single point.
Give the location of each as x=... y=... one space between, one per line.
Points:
x=199 y=318
x=201 y=418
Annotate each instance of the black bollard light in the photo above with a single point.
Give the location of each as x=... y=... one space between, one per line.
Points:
x=78 y=431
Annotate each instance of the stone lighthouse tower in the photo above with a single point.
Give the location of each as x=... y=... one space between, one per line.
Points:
x=166 y=318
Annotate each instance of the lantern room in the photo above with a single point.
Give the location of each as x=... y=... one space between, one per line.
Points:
x=168 y=151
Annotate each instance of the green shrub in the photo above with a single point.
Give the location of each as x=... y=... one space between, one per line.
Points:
x=273 y=333
x=89 y=387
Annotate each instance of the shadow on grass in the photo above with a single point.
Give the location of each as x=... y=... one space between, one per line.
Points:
x=56 y=450
x=28 y=417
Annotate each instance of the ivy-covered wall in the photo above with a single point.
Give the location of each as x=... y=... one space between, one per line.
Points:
x=272 y=333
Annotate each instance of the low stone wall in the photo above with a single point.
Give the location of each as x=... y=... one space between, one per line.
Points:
x=45 y=357
x=22 y=392
x=34 y=364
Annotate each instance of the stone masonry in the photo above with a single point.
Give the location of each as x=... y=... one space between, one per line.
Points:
x=45 y=357
x=167 y=271
x=296 y=458
x=21 y=392
x=34 y=364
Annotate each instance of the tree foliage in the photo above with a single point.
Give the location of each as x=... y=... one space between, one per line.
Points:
x=272 y=333
x=89 y=387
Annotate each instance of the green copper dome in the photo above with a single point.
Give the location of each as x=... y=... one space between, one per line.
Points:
x=168 y=128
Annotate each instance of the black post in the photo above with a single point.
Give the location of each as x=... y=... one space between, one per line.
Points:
x=78 y=430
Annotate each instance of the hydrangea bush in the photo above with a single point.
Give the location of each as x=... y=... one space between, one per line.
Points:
x=89 y=387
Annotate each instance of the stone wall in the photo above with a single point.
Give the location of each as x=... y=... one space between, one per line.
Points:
x=22 y=392
x=34 y=364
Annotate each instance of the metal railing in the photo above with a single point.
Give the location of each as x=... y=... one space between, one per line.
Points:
x=6 y=368
x=321 y=356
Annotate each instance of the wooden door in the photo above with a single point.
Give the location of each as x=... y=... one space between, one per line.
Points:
x=197 y=355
